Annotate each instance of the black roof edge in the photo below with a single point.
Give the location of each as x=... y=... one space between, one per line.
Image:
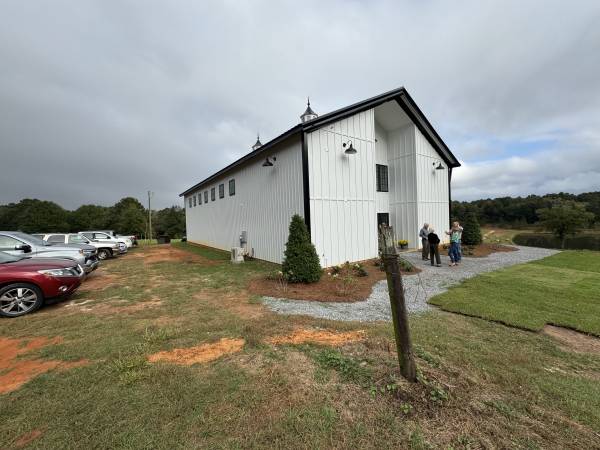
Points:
x=404 y=100
x=262 y=148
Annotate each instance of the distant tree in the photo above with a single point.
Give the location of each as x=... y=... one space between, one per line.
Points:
x=128 y=215
x=472 y=232
x=33 y=216
x=301 y=262
x=565 y=217
x=89 y=217
x=169 y=221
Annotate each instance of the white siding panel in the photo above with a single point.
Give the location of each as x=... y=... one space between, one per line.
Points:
x=342 y=190
x=265 y=200
x=432 y=187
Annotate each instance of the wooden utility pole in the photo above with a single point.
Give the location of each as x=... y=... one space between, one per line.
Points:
x=150 y=194
x=389 y=254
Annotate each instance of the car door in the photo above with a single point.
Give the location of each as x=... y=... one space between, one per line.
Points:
x=10 y=244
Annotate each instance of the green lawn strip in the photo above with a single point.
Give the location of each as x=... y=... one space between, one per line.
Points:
x=554 y=290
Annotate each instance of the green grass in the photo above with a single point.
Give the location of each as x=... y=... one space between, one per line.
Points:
x=482 y=384
x=562 y=290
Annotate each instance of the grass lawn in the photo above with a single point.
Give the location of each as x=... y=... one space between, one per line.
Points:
x=563 y=289
x=496 y=235
x=482 y=385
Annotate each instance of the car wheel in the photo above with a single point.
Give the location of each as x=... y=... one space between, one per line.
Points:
x=104 y=253
x=20 y=298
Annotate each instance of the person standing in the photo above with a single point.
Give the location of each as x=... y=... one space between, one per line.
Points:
x=423 y=233
x=455 y=234
x=433 y=241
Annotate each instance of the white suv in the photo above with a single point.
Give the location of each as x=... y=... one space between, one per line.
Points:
x=102 y=237
x=105 y=249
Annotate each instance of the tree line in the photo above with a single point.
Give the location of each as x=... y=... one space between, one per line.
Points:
x=128 y=215
x=523 y=211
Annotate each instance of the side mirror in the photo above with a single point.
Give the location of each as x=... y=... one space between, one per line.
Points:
x=25 y=248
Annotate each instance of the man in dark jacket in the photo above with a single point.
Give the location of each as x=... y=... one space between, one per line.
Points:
x=434 y=242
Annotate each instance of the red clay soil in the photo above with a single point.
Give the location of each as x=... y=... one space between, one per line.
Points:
x=28 y=438
x=15 y=372
x=329 y=289
x=166 y=253
x=325 y=337
x=200 y=353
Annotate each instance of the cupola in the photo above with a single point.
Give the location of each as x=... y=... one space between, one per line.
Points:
x=257 y=144
x=309 y=114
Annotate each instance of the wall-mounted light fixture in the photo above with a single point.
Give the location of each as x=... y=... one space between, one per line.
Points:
x=268 y=162
x=350 y=150
x=439 y=166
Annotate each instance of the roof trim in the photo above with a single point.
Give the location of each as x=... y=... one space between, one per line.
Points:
x=404 y=100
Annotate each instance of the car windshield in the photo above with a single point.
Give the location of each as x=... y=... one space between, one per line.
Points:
x=31 y=239
x=7 y=258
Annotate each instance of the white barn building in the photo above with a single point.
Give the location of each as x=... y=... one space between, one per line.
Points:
x=378 y=160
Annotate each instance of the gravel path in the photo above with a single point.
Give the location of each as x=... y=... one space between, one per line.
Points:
x=418 y=288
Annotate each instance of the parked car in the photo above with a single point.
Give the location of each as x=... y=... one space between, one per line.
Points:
x=104 y=249
x=26 y=283
x=22 y=244
x=131 y=237
x=127 y=239
x=103 y=236
x=90 y=252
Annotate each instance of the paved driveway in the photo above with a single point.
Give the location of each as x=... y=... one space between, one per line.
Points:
x=418 y=288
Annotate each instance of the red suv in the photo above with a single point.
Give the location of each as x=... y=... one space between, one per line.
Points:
x=25 y=283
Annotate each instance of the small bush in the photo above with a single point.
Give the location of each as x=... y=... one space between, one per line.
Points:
x=405 y=266
x=472 y=232
x=301 y=262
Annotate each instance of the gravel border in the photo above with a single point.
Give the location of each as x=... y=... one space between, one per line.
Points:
x=419 y=288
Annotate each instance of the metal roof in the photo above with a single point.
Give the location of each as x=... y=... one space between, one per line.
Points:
x=400 y=95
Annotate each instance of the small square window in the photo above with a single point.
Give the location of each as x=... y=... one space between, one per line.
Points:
x=190 y=201
x=221 y=190
x=212 y=194
x=194 y=199
x=231 y=187
x=205 y=196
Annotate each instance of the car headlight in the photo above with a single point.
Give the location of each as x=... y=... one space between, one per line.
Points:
x=67 y=272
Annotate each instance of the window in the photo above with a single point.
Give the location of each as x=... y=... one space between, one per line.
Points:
x=190 y=201
x=383 y=219
x=212 y=194
x=199 y=198
x=194 y=199
x=76 y=239
x=382 y=178
x=231 y=187
x=56 y=239
x=221 y=190
x=205 y=196
x=8 y=243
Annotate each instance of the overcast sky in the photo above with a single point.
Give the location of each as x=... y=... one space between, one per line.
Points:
x=105 y=99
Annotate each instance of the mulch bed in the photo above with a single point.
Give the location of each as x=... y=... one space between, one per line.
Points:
x=327 y=289
x=483 y=250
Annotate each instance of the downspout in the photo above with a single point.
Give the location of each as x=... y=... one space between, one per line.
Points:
x=449 y=197
x=305 y=181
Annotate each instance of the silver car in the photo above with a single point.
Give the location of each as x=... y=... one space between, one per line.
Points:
x=18 y=244
x=104 y=250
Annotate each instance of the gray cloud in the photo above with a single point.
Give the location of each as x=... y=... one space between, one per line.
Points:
x=102 y=99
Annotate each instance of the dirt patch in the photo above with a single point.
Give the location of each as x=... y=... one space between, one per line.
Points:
x=573 y=340
x=98 y=280
x=236 y=302
x=166 y=253
x=328 y=288
x=114 y=307
x=325 y=337
x=200 y=353
x=28 y=438
x=483 y=250
x=15 y=371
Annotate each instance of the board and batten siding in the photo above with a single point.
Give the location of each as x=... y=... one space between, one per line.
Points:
x=342 y=190
x=432 y=187
x=265 y=200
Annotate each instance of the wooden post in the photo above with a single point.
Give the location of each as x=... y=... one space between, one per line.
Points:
x=389 y=255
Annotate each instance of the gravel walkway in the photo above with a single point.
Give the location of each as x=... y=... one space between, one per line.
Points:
x=418 y=288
